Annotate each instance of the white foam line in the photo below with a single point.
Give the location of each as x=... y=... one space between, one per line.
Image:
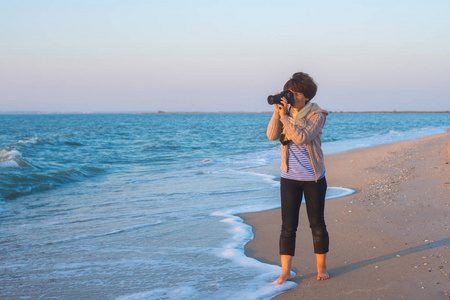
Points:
x=261 y=286
x=266 y=177
x=32 y=141
x=345 y=192
x=181 y=292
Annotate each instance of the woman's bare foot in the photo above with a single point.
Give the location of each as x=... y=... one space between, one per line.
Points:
x=283 y=278
x=286 y=262
x=322 y=274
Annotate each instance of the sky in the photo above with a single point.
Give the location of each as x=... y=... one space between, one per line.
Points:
x=213 y=56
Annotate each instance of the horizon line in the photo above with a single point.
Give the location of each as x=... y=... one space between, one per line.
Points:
x=18 y=112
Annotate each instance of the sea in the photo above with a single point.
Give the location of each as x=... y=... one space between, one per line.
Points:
x=146 y=206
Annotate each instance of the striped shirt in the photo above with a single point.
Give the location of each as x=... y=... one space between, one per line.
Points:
x=299 y=164
x=309 y=136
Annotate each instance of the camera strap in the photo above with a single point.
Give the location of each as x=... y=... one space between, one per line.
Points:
x=296 y=118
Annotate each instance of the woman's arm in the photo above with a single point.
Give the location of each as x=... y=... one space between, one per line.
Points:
x=275 y=127
x=314 y=125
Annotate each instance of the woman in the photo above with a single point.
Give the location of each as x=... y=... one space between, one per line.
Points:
x=299 y=125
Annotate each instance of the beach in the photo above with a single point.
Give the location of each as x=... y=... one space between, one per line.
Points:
x=388 y=240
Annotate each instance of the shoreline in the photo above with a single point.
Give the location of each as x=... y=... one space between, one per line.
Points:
x=388 y=239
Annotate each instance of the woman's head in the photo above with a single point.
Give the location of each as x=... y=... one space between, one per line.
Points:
x=302 y=83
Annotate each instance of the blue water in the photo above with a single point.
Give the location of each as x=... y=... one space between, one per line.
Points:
x=136 y=206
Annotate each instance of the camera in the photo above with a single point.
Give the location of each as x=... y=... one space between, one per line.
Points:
x=276 y=99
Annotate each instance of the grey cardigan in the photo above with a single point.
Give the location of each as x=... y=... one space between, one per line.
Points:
x=310 y=136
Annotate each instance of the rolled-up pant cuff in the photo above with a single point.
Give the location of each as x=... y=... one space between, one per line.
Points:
x=287 y=246
x=321 y=242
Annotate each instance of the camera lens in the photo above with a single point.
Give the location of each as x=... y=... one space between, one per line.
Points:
x=274 y=99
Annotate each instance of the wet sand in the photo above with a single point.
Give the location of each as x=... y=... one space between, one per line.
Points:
x=388 y=240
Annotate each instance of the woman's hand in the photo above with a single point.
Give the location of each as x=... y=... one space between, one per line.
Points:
x=282 y=108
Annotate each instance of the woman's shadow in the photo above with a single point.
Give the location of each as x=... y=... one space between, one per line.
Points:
x=334 y=272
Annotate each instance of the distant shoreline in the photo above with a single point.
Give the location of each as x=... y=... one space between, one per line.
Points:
x=390 y=112
x=219 y=112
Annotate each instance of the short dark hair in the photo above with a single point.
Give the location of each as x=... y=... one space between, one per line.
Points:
x=302 y=83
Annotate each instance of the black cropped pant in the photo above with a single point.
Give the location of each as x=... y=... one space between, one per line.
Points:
x=291 y=197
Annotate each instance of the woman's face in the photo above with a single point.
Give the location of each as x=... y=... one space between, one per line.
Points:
x=299 y=100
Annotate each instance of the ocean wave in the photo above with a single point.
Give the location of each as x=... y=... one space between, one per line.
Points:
x=48 y=140
x=16 y=184
x=99 y=235
x=73 y=174
x=36 y=164
x=11 y=158
x=73 y=143
x=214 y=193
x=394 y=133
x=34 y=140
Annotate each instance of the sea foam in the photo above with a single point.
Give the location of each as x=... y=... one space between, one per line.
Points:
x=262 y=286
x=11 y=158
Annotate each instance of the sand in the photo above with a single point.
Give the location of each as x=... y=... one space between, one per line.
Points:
x=389 y=240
